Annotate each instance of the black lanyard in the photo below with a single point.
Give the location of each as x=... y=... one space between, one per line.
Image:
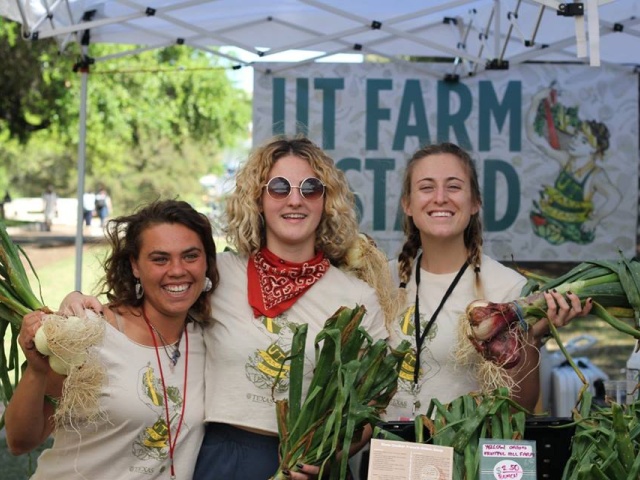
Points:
x=416 y=313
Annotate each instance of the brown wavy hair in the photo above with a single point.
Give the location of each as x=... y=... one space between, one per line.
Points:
x=125 y=238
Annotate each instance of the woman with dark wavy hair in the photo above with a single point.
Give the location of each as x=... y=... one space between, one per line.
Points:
x=159 y=278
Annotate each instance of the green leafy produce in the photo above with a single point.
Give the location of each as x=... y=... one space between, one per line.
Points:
x=606 y=443
x=461 y=424
x=16 y=300
x=353 y=381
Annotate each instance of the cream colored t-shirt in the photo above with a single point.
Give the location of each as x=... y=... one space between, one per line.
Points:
x=132 y=442
x=244 y=353
x=441 y=377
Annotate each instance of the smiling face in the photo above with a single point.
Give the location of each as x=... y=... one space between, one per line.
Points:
x=291 y=223
x=440 y=201
x=171 y=267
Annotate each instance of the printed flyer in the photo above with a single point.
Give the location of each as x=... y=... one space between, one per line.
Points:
x=393 y=460
x=507 y=459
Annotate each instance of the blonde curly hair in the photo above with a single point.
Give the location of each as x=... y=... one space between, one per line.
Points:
x=338 y=228
x=337 y=235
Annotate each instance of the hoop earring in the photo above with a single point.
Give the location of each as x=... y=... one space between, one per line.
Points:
x=208 y=285
x=139 y=289
x=262 y=222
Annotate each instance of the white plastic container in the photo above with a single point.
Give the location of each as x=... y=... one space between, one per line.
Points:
x=566 y=385
x=550 y=361
x=633 y=373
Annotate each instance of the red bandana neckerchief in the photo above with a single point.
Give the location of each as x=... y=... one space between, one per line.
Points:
x=275 y=284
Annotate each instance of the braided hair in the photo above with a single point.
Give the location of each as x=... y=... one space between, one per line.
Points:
x=473 y=231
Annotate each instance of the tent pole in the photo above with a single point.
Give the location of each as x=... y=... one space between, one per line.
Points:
x=84 y=76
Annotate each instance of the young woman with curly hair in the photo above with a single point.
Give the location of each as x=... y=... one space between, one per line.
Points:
x=292 y=220
x=160 y=273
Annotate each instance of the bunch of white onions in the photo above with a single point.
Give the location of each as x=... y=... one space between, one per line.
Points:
x=67 y=341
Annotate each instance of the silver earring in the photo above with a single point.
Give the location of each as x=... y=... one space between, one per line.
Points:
x=208 y=285
x=139 y=289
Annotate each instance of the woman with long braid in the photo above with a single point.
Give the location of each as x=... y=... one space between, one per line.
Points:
x=441 y=269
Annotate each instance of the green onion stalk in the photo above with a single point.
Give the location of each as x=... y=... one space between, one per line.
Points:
x=352 y=383
x=463 y=422
x=497 y=329
x=16 y=300
x=66 y=341
x=605 y=443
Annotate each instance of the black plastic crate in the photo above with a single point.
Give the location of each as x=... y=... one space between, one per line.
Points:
x=553 y=444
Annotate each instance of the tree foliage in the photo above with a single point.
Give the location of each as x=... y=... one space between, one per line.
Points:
x=31 y=92
x=156 y=121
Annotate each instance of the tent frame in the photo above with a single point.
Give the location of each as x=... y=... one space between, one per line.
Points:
x=60 y=20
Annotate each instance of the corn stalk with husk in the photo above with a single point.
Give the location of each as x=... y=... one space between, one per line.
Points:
x=461 y=424
x=65 y=340
x=496 y=329
x=353 y=381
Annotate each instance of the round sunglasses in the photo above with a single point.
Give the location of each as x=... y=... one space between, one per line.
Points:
x=280 y=188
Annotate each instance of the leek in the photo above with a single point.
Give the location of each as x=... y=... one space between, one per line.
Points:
x=16 y=300
x=353 y=381
x=66 y=342
x=613 y=286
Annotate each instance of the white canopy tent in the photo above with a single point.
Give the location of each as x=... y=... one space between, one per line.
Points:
x=477 y=35
x=474 y=31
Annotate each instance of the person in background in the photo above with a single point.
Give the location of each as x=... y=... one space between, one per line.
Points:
x=442 y=261
x=102 y=204
x=88 y=207
x=5 y=200
x=292 y=221
x=49 y=207
x=159 y=277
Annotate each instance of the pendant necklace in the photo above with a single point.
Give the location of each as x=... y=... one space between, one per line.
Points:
x=174 y=355
x=416 y=319
x=171 y=441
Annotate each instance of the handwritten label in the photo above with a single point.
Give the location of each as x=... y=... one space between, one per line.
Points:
x=508 y=470
x=507 y=451
x=507 y=459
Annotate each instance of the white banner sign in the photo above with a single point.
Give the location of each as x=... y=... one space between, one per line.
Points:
x=556 y=146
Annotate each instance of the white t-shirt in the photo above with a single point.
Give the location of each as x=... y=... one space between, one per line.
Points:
x=132 y=443
x=89 y=201
x=442 y=377
x=244 y=353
